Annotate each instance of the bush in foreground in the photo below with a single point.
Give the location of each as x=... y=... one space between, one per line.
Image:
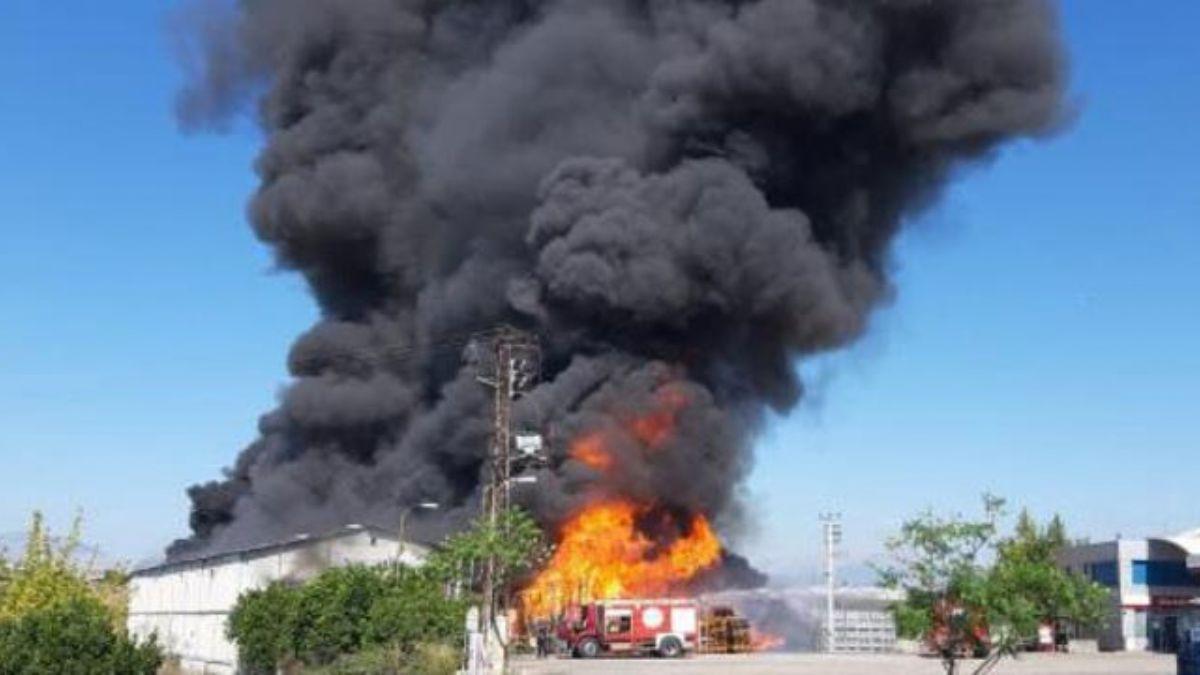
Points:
x=389 y=619
x=55 y=620
x=346 y=616
x=72 y=637
x=423 y=659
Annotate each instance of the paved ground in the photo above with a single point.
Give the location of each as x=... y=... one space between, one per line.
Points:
x=812 y=664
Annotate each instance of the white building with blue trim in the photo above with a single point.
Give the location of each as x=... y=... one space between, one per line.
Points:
x=1154 y=584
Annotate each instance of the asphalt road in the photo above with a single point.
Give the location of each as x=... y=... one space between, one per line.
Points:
x=816 y=664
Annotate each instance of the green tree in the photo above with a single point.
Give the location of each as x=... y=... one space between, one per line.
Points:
x=354 y=615
x=374 y=613
x=54 y=620
x=45 y=574
x=112 y=589
x=963 y=604
x=515 y=542
x=263 y=623
x=333 y=612
x=415 y=609
x=513 y=546
x=1027 y=563
x=72 y=636
x=937 y=565
x=5 y=573
x=1056 y=533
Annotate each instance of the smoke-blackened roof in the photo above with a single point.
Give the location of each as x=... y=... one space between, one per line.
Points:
x=300 y=540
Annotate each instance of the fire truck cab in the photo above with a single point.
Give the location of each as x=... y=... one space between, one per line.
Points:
x=664 y=627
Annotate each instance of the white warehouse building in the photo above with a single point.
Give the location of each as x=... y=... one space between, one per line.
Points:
x=186 y=603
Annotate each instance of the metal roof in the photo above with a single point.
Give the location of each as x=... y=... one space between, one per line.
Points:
x=1190 y=542
x=298 y=540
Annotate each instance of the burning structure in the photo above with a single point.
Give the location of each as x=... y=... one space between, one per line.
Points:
x=681 y=197
x=794 y=618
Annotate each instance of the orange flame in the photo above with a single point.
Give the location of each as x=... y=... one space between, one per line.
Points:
x=765 y=642
x=601 y=551
x=602 y=554
x=655 y=428
x=591 y=451
x=652 y=430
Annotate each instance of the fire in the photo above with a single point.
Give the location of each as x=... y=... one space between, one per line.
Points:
x=591 y=451
x=602 y=554
x=656 y=427
x=652 y=429
x=765 y=642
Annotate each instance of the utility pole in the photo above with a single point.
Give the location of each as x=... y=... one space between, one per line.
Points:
x=509 y=363
x=831 y=529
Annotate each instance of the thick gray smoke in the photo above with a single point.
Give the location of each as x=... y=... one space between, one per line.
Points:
x=680 y=197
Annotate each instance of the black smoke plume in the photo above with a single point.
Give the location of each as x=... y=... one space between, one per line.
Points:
x=690 y=194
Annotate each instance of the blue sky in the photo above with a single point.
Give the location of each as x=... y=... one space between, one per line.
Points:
x=1042 y=344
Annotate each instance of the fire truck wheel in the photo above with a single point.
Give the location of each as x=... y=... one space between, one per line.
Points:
x=588 y=648
x=670 y=648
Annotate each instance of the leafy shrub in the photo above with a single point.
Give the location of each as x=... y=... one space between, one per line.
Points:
x=423 y=659
x=412 y=610
x=375 y=661
x=386 y=619
x=366 y=612
x=433 y=659
x=72 y=637
x=334 y=611
x=264 y=624
x=54 y=621
x=45 y=575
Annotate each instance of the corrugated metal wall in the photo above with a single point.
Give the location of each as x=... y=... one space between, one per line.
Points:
x=187 y=604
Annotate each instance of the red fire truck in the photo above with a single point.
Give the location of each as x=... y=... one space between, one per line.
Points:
x=958 y=631
x=665 y=627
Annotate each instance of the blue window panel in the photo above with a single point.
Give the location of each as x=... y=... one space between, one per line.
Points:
x=1163 y=573
x=1104 y=573
x=1141 y=573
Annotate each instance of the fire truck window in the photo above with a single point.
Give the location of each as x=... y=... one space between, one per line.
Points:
x=620 y=624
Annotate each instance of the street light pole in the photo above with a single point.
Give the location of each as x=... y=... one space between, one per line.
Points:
x=403 y=534
x=831 y=528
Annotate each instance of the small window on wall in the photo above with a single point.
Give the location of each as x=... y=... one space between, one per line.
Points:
x=1141 y=572
x=1104 y=573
